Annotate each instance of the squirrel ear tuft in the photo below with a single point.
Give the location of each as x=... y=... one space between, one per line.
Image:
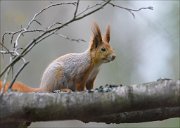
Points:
x=97 y=39
x=107 y=35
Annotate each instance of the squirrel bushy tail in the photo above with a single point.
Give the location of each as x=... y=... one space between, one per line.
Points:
x=20 y=87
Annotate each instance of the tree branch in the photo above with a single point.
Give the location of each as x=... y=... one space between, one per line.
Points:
x=139 y=116
x=76 y=10
x=135 y=103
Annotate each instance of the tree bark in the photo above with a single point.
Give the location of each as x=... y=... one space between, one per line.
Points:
x=110 y=104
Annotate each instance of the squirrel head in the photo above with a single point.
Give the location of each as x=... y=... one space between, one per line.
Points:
x=100 y=49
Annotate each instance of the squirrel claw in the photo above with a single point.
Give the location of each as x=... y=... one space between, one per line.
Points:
x=90 y=91
x=66 y=90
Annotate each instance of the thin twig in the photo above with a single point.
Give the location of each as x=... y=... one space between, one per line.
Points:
x=57 y=23
x=7 y=50
x=5 y=77
x=37 y=22
x=95 y=10
x=23 y=32
x=15 y=77
x=130 y=10
x=9 y=33
x=50 y=6
x=75 y=12
x=71 y=39
x=13 y=34
x=89 y=7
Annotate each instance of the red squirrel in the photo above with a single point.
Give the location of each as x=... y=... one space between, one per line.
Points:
x=74 y=71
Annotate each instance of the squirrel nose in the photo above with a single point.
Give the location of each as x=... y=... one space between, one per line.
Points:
x=113 y=57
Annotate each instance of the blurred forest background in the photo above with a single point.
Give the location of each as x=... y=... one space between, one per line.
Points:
x=147 y=47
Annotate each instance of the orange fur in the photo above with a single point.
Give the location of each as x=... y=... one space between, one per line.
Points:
x=96 y=54
x=20 y=87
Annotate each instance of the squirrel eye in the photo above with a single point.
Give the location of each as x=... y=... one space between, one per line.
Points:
x=103 y=49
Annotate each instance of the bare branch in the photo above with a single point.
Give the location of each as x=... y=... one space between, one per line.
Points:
x=75 y=12
x=89 y=8
x=95 y=10
x=71 y=39
x=130 y=10
x=5 y=78
x=139 y=116
x=57 y=23
x=9 y=33
x=15 y=77
x=50 y=6
x=7 y=50
x=37 y=22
